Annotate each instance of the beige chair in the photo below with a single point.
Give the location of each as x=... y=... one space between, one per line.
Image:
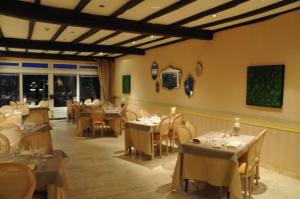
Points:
x=123 y=116
x=247 y=168
x=260 y=140
x=17 y=181
x=4 y=144
x=191 y=129
x=36 y=141
x=98 y=123
x=96 y=101
x=70 y=112
x=6 y=109
x=183 y=134
x=144 y=113
x=163 y=134
x=107 y=104
x=44 y=103
x=2 y=117
x=76 y=111
x=88 y=101
x=131 y=116
x=177 y=120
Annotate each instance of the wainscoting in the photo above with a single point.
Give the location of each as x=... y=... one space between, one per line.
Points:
x=281 y=147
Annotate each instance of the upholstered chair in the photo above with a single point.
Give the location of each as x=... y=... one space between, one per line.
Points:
x=70 y=112
x=131 y=116
x=6 y=110
x=260 y=140
x=38 y=141
x=163 y=134
x=183 y=134
x=191 y=129
x=4 y=144
x=144 y=113
x=16 y=181
x=98 y=116
x=177 y=120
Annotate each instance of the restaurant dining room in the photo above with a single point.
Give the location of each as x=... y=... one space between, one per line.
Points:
x=149 y=99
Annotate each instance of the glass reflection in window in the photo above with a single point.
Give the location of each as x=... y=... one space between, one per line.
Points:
x=64 y=89
x=89 y=87
x=9 y=84
x=35 y=88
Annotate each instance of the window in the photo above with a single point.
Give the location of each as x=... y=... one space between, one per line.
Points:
x=9 y=84
x=89 y=87
x=64 y=89
x=35 y=88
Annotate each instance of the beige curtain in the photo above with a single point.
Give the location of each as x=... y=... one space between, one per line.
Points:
x=104 y=67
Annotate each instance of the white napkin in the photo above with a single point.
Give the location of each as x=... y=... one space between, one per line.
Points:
x=233 y=144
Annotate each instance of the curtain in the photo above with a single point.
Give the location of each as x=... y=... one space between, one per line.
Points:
x=104 y=67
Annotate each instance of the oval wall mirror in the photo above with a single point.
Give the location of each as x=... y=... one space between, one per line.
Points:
x=154 y=70
x=170 y=77
x=189 y=84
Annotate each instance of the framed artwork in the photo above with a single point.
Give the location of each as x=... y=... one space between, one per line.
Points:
x=126 y=84
x=265 y=85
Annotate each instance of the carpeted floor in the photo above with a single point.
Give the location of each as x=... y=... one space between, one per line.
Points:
x=98 y=169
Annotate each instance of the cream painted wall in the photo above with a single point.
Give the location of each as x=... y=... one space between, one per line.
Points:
x=222 y=85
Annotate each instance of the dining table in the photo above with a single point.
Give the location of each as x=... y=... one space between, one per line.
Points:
x=212 y=158
x=49 y=169
x=112 y=115
x=139 y=135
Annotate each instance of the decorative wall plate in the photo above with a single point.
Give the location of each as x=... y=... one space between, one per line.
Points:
x=157 y=86
x=189 y=84
x=154 y=70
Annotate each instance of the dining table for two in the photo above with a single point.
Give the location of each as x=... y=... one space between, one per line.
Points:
x=212 y=158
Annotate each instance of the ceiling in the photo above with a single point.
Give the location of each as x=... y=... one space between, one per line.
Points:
x=90 y=29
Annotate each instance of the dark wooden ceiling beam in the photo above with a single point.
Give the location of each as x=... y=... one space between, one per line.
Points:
x=167 y=10
x=247 y=14
x=86 y=35
x=107 y=37
x=2 y=36
x=58 y=32
x=66 y=17
x=125 y=7
x=131 y=40
x=165 y=44
x=81 y=5
x=211 y=11
x=51 y=56
x=148 y=42
x=65 y=46
x=30 y=29
x=257 y=20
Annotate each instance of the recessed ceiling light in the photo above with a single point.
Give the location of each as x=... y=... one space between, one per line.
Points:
x=47 y=29
x=133 y=42
x=100 y=53
x=72 y=32
x=152 y=36
x=101 y=6
x=214 y=15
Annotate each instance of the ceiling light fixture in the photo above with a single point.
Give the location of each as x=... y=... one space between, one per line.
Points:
x=133 y=42
x=152 y=36
x=214 y=15
x=47 y=29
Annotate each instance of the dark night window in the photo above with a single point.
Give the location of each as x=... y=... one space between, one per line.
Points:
x=64 y=89
x=9 y=84
x=35 y=88
x=89 y=87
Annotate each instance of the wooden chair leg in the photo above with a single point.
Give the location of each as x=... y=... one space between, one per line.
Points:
x=257 y=174
x=186 y=187
x=245 y=187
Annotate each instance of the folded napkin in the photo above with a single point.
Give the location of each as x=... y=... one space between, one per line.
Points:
x=233 y=144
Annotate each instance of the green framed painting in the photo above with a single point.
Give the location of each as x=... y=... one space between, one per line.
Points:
x=126 y=84
x=265 y=85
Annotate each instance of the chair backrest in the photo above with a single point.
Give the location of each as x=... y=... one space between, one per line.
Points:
x=144 y=113
x=76 y=108
x=97 y=114
x=13 y=134
x=107 y=104
x=96 y=101
x=88 y=101
x=2 y=117
x=164 y=125
x=131 y=116
x=12 y=103
x=16 y=181
x=251 y=156
x=260 y=140
x=6 y=109
x=177 y=120
x=4 y=144
x=183 y=134
x=191 y=129
x=36 y=141
x=44 y=103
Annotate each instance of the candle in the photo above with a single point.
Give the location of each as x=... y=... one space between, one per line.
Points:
x=173 y=110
